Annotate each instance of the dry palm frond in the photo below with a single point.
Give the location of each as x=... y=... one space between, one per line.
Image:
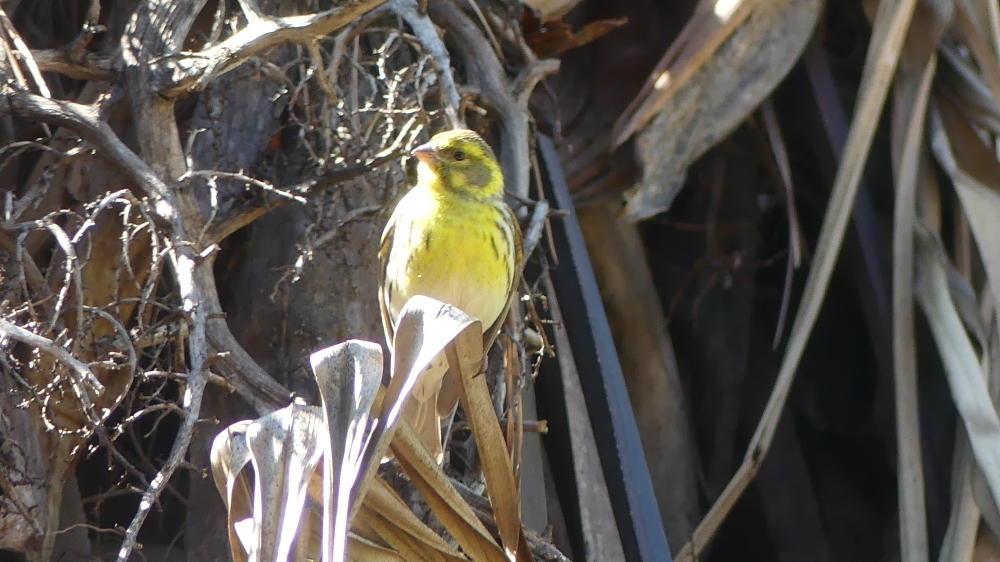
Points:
x=350 y=436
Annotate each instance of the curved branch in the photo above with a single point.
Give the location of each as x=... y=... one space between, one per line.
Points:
x=177 y=74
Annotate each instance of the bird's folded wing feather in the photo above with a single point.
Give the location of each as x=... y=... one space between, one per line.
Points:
x=385 y=245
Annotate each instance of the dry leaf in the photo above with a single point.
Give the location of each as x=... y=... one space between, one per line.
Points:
x=554 y=37
x=464 y=358
x=349 y=375
x=975 y=173
x=229 y=456
x=446 y=503
x=965 y=378
x=285 y=447
x=423 y=329
x=384 y=501
x=715 y=74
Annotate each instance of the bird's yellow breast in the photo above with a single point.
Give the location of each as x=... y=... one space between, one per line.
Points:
x=452 y=249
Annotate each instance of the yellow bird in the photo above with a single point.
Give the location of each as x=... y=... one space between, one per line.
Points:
x=452 y=238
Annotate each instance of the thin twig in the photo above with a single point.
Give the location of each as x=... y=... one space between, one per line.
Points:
x=535 y=228
x=427 y=34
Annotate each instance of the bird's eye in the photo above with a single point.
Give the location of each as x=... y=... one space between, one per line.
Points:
x=459 y=155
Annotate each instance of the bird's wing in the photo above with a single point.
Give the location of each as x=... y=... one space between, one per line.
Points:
x=490 y=335
x=384 y=247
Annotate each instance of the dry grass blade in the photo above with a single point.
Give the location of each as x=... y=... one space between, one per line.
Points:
x=794 y=230
x=963 y=522
x=405 y=544
x=917 y=71
x=384 y=501
x=973 y=170
x=446 y=503
x=967 y=89
x=348 y=375
x=229 y=456
x=392 y=536
x=983 y=496
x=968 y=387
x=890 y=30
x=975 y=173
x=980 y=44
x=464 y=358
x=286 y=447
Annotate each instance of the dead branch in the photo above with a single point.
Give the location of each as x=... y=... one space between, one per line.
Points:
x=24 y=53
x=157 y=29
x=87 y=66
x=178 y=73
x=86 y=121
x=74 y=60
x=535 y=228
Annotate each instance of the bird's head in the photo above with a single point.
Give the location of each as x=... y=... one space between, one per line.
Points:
x=460 y=161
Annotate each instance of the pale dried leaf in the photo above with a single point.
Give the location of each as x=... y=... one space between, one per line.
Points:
x=971 y=27
x=362 y=550
x=963 y=522
x=348 y=375
x=383 y=500
x=975 y=173
x=228 y=457
x=700 y=38
x=965 y=378
x=966 y=303
x=721 y=92
x=968 y=90
x=423 y=329
x=285 y=447
x=396 y=539
x=912 y=505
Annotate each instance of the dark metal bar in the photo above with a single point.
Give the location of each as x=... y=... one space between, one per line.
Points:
x=622 y=458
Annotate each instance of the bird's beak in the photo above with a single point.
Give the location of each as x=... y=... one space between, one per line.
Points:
x=426 y=153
